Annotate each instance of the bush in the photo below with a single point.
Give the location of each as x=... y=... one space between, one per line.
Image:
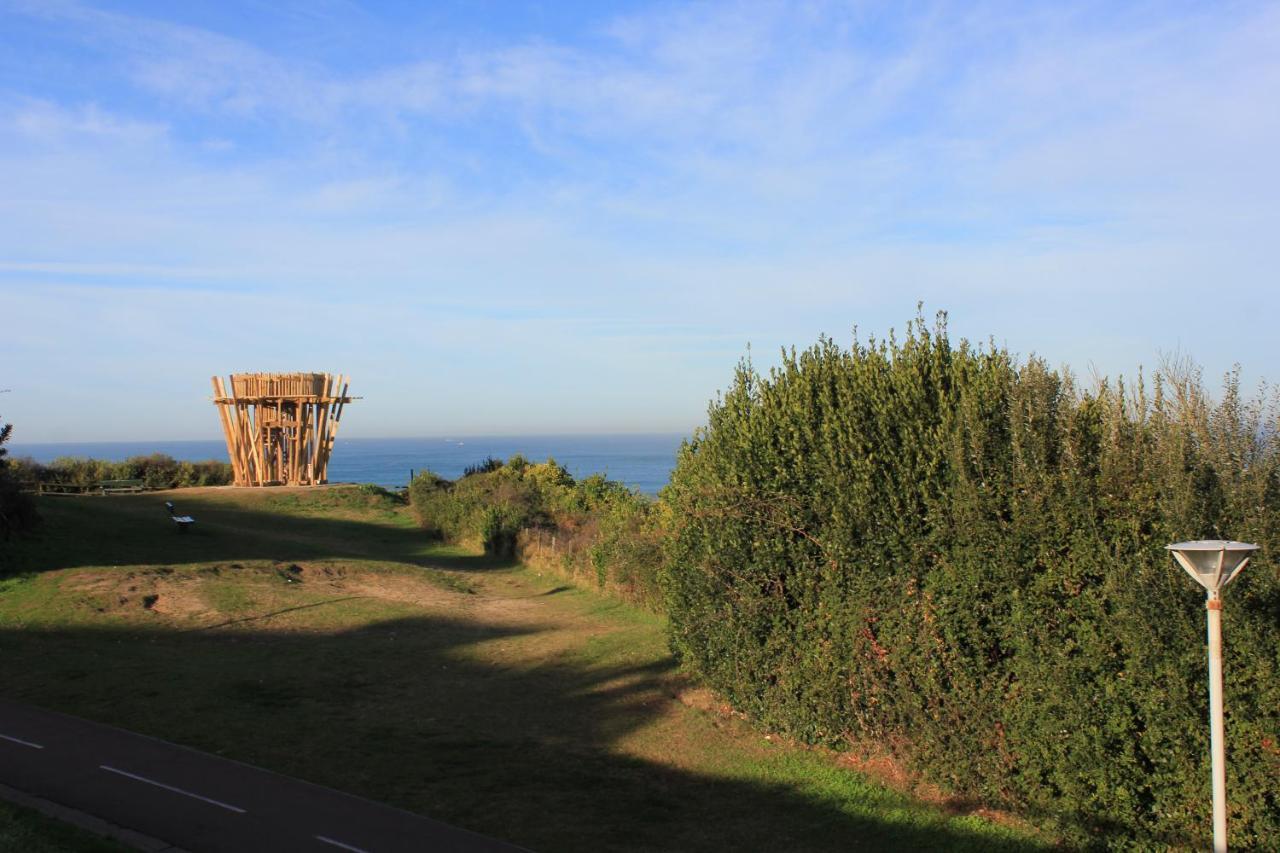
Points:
x=958 y=555
x=595 y=529
x=429 y=496
x=17 y=510
x=488 y=466
x=487 y=507
x=382 y=494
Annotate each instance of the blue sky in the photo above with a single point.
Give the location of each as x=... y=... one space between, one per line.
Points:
x=505 y=217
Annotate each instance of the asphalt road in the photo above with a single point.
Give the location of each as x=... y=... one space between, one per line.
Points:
x=200 y=802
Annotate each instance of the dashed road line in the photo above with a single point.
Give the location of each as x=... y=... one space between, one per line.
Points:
x=164 y=824
x=340 y=844
x=211 y=802
x=21 y=741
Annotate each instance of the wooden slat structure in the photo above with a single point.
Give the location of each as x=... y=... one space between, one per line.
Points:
x=280 y=427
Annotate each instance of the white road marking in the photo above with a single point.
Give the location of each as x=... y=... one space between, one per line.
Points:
x=217 y=803
x=340 y=844
x=23 y=742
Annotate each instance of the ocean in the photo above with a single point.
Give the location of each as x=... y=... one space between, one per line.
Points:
x=642 y=462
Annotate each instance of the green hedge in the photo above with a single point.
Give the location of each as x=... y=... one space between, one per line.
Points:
x=958 y=555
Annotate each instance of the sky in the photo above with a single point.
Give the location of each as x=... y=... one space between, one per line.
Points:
x=559 y=217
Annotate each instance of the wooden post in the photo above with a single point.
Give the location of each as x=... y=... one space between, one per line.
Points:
x=333 y=430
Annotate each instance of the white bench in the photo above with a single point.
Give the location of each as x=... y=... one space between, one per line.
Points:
x=184 y=522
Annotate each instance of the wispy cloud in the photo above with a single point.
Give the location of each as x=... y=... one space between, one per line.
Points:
x=44 y=123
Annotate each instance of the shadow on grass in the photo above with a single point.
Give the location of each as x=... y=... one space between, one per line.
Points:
x=460 y=562
x=136 y=530
x=263 y=617
x=412 y=712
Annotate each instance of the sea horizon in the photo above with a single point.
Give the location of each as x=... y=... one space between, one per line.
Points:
x=641 y=461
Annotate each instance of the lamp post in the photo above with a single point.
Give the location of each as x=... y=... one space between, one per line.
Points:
x=1214 y=563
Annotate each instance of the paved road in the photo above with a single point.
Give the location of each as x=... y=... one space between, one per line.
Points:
x=201 y=802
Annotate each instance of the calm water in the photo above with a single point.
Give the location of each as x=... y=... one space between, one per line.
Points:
x=642 y=462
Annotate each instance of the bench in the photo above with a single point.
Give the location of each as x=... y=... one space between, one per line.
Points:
x=184 y=522
x=112 y=486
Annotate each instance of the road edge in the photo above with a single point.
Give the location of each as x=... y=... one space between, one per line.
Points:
x=88 y=822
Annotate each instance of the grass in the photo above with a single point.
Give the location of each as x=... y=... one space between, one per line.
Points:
x=317 y=633
x=23 y=830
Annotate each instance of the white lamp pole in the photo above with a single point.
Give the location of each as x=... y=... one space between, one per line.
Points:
x=1214 y=563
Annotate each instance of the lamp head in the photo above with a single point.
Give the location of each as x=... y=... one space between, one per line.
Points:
x=1212 y=563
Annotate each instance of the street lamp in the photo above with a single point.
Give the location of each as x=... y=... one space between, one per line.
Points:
x=1214 y=563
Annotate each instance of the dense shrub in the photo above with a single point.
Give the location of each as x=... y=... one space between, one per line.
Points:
x=595 y=530
x=959 y=556
x=17 y=510
x=157 y=471
x=487 y=466
x=487 y=507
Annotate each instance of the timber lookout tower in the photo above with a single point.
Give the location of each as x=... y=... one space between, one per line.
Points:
x=280 y=427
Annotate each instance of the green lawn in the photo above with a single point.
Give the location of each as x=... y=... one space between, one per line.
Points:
x=26 y=831
x=318 y=634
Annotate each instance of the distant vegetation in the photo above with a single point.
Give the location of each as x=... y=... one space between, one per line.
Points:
x=157 y=471
x=593 y=529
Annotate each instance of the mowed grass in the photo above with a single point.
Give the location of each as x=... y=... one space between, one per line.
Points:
x=317 y=633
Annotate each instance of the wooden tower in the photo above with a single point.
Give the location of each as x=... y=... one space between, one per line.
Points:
x=280 y=427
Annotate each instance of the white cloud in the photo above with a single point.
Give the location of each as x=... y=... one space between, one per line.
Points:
x=42 y=122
